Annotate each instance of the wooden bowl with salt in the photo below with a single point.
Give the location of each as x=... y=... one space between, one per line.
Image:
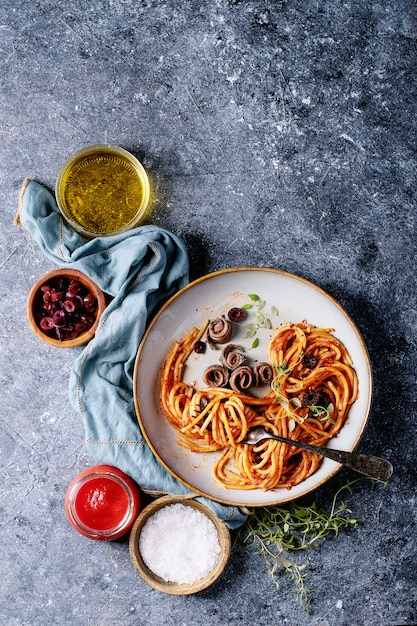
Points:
x=179 y=546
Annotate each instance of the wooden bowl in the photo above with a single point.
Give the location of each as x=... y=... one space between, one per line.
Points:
x=34 y=304
x=156 y=581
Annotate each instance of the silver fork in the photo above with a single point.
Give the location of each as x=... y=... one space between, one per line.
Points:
x=372 y=466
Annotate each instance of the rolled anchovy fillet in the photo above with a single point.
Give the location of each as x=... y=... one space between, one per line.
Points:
x=241 y=378
x=216 y=376
x=263 y=374
x=219 y=331
x=232 y=356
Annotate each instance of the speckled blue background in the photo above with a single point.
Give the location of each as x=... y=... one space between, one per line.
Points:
x=276 y=133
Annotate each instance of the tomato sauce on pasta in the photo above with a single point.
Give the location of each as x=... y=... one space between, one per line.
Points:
x=313 y=387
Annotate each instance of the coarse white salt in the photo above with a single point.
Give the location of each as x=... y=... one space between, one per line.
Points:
x=180 y=544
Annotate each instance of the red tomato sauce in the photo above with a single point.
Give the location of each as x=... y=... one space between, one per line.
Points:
x=101 y=503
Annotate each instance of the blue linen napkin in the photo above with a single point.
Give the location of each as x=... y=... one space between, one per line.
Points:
x=140 y=269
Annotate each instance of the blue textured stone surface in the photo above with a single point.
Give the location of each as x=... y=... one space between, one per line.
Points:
x=276 y=133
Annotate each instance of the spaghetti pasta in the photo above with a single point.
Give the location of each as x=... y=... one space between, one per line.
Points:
x=313 y=387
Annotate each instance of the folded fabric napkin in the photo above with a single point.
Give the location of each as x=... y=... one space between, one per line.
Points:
x=140 y=269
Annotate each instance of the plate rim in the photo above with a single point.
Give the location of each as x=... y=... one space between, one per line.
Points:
x=249 y=268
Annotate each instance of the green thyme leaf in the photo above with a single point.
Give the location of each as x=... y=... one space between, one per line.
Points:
x=322 y=413
x=255 y=343
x=253 y=297
x=283 y=370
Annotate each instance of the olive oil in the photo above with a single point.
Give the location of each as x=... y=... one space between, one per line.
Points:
x=102 y=191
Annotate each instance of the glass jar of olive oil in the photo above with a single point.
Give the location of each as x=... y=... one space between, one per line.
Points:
x=102 y=190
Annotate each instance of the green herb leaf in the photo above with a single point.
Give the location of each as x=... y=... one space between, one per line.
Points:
x=262 y=319
x=255 y=343
x=322 y=413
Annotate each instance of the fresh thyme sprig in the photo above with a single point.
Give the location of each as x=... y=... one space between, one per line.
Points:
x=322 y=413
x=278 y=530
x=282 y=370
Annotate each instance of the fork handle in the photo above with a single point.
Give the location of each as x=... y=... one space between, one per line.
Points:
x=372 y=466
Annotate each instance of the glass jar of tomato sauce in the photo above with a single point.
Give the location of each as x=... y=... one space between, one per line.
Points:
x=102 y=502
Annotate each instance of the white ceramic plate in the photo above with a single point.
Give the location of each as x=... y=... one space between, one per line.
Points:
x=213 y=295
